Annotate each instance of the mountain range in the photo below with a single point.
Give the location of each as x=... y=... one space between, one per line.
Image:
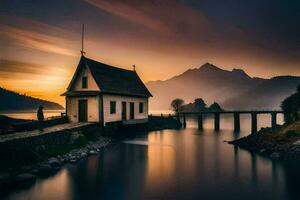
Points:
x=233 y=89
x=13 y=101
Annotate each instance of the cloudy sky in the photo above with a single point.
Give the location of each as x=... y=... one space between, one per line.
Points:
x=40 y=39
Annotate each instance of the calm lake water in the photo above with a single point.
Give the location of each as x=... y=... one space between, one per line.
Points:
x=174 y=164
x=32 y=115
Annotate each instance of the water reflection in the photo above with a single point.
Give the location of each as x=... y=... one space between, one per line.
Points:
x=173 y=164
x=227 y=122
x=58 y=187
x=31 y=115
x=236 y=163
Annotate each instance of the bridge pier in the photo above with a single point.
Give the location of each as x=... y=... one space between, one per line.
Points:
x=181 y=117
x=274 y=119
x=237 y=126
x=184 y=121
x=253 y=123
x=217 y=121
x=200 y=122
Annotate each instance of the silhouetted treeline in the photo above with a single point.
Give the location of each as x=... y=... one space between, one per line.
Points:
x=291 y=107
x=10 y=101
x=199 y=105
x=233 y=89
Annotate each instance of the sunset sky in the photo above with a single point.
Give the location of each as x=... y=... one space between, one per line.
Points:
x=40 y=39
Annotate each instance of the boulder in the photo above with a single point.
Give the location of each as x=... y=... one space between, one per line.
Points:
x=54 y=162
x=83 y=154
x=73 y=161
x=45 y=169
x=275 y=155
x=263 y=151
x=297 y=143
x=92 y=152
x=24 y=179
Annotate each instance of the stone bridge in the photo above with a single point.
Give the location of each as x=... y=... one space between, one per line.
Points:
x=236 y=116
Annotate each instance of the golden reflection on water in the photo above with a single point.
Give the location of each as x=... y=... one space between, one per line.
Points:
x=191 y=157
x=165 y=164
x=57 y=187
x=160 y=160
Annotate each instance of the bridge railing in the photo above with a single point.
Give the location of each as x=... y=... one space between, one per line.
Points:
x=232 y=112
x=236 y=115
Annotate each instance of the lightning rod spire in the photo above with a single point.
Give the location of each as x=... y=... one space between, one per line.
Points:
x=82 y=41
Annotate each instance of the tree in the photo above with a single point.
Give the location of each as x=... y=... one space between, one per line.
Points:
x=177 y=104
x=291 y=106
x=199 y=104
x=215 y=107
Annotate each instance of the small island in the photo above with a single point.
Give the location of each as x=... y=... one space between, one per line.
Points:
x=282 y=141
x=198 y=105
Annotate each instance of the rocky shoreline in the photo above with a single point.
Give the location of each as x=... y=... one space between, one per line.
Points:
x=27 y=175
x=54 y=158
x=283 y=142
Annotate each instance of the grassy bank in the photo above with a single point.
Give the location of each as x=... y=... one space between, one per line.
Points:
x=281 y=142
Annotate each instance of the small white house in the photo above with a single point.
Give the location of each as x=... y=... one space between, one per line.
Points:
x=103 y=93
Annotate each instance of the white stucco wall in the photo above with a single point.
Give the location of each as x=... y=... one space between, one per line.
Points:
x=93 y=108
x=92 y=85
x=118 y=115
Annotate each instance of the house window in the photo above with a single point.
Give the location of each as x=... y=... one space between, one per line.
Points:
x=84 y=82
x=141 y=107
x=112 y=107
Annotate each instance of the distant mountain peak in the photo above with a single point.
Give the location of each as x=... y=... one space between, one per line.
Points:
x=11 y=100
x=240 y=72
x=209 y=67
x=233 y=89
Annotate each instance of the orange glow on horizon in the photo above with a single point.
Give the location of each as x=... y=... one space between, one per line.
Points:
x=38 y=56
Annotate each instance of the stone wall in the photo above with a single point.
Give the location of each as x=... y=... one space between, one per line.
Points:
x=31 y=149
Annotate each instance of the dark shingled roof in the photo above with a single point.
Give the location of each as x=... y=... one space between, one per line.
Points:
x=113 y=80
x=80 y=93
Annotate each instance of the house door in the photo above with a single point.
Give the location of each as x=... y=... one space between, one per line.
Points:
x=131 y=110
x=82 y=110
x=124 y=111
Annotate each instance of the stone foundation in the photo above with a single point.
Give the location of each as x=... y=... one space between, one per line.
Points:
x=25 y=150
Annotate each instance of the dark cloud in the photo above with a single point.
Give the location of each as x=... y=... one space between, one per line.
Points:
x=163 y=38
x=274 y=21
x=35 y=35
x=17 y=67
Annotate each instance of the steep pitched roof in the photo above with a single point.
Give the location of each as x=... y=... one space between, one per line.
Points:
x=113 y=80
x=80 y=93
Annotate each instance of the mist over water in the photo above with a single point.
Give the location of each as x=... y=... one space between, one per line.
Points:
x=174 y=164
x=32 y=115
